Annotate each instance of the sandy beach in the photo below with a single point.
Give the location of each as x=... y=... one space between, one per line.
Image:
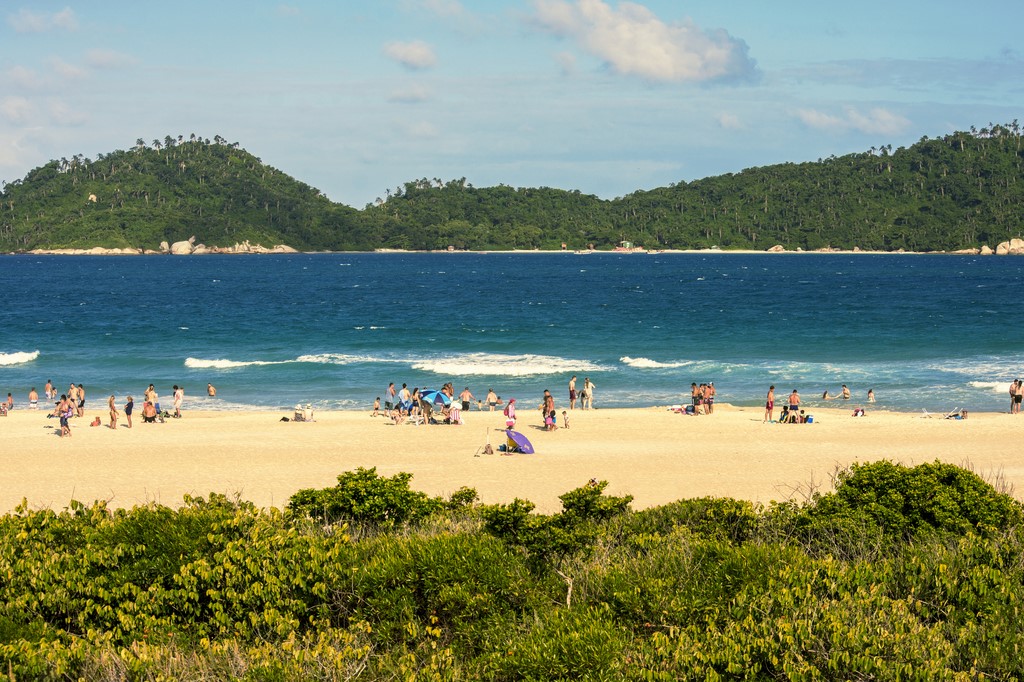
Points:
x=651 y=453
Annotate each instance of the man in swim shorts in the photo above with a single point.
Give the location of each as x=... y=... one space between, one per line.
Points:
x=572 y=392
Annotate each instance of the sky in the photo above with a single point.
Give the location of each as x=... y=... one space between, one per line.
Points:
x=359 y=97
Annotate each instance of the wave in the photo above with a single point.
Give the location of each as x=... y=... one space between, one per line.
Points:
x=197 y=363
x=7 y=359
x=994 y=386
x=645 y=363
x=341 y=359
x=504 y=365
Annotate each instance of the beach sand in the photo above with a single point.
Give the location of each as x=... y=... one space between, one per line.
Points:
x=651 y=453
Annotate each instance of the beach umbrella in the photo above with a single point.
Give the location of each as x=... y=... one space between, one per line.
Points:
x=435 y=398
x=517 y=442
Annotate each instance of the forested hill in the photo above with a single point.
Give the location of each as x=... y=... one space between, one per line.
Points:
x=963 y=190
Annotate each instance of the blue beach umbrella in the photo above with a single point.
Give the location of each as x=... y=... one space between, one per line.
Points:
x=435 y=398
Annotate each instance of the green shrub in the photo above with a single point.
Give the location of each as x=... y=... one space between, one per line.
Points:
x=364 y=497
x=906 y=501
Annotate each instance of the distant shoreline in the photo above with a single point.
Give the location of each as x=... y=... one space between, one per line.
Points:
x=99 y=251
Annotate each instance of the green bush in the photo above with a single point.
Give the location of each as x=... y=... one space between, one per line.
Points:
x=906 y=501
x=364 y=497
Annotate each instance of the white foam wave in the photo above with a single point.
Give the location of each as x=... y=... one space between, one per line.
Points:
x=20 y=358
x=504 y=365
x=198 y=363
x=339 y=359
x=994 y=386
x=645 y=363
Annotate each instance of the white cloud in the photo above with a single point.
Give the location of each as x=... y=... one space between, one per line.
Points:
x=443 y=8
x=876 y=121
x=64 y=114
x=65 y=70
x=635 y=42
x=729 y=121
x=23 y=77
x=108 y=59
x=27 y=21
x=16 y=110
x=412 y=55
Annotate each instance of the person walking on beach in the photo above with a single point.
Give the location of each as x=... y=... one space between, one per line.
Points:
x=572 y=392
x=113 y=413
x=769 y=405
x=129 y=405
x=510 y=413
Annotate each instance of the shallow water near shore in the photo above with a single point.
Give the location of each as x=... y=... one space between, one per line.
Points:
x=925 y=332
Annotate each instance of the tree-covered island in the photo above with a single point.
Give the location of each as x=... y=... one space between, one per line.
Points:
x=959 y=191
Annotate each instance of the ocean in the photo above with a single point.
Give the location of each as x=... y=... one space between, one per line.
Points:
x=923 y=331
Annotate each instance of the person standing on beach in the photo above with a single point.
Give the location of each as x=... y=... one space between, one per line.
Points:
x=572 y=392
x=179 y=396
x=492 y=399
x=389 y=398
x=1017 y=388
x=794 y=403
x=65 y=410
x=510 y=413
x=769 y=405
x=129 y=405
x=709 y=397
x=113 y=413
x=466 y=397
x=48 y=390
x=33 y=399
x=81 y=401
x=588 y=393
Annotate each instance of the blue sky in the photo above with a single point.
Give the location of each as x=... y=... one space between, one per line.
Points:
x=358 y=97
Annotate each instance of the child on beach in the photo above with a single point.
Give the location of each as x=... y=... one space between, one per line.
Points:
x=376 y=407
x=565 y=420
x=129 y=405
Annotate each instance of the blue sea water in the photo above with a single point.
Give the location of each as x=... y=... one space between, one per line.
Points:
x=932 y=332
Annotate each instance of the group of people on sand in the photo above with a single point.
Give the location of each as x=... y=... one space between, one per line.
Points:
x=71 y=404
x=792 y=413
x=404 y=404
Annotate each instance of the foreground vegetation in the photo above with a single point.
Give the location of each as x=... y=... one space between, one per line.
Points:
x=959 y=191
x=899 y=574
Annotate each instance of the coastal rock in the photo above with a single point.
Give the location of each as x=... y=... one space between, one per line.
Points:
x=183 y=248
x=985 y=250
x=778 y=248
x=1014 y=247
x=164 y=247
x=967 y=252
